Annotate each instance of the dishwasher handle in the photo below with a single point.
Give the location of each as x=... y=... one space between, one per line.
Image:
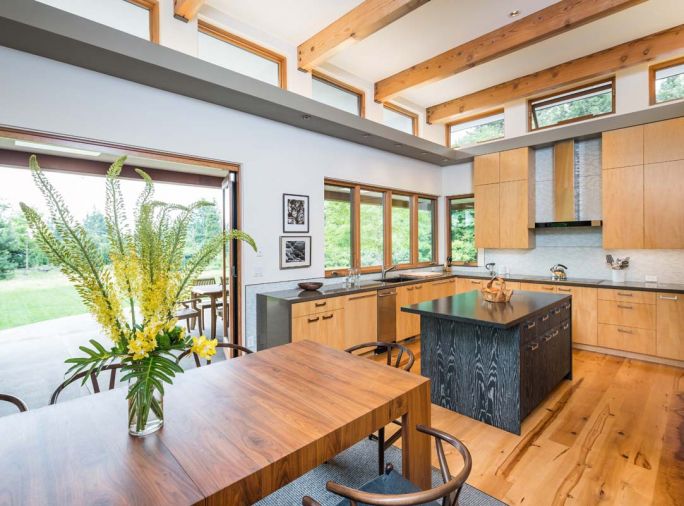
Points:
x=386 y=294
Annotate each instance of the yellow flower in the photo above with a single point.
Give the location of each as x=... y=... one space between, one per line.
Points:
x=205 y=348
x=145 y=340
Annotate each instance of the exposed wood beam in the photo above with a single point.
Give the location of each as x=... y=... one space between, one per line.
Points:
x=581 y=69
x=357 y=24
x=553 y=20
x=186 y=9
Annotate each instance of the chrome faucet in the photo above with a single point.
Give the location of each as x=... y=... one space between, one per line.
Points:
x=385 y=270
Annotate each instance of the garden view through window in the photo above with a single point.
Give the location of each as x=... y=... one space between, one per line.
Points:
x=476 y=130
x=574 y=105
x=406 y=220
x=668 y=82
x=461 y=241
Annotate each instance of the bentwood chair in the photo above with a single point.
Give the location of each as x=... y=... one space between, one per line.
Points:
x=240 y=349
x=189 y=310
x=388 y=348
x=111 y=368
x=21 y=405
x=392 y=489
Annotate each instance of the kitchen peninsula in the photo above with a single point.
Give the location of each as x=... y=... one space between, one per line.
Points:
x=495 y=362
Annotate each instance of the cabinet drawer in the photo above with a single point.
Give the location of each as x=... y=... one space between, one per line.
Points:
x=628 y=314
x=538 y=287
x=317 y=306
x=636 y=296
x=626 y=338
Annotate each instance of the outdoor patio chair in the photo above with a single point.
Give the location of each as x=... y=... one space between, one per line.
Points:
x=189 y=311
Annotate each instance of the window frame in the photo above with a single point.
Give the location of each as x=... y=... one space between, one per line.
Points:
x=387 y=227
x=574 y=92
x=404 y=112
x=474 y=117
x=235 y=40
x=336 y=83
x=449 y=252
x=153 y=7
x=652 y=79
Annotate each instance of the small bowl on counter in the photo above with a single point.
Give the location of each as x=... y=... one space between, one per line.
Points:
x=310 y=286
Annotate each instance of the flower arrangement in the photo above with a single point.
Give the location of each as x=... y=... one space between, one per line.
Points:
x=134 y=297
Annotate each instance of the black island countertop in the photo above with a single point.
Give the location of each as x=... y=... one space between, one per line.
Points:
x=471 y=307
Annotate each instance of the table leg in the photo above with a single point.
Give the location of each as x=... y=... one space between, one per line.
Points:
x=213 y=317
x=416 y=448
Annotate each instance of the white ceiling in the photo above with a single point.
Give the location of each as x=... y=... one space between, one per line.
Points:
x=440 y=25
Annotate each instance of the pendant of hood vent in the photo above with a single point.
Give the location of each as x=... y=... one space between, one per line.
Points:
x=571 y=198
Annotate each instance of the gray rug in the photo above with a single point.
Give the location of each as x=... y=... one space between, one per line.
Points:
x=354 y=467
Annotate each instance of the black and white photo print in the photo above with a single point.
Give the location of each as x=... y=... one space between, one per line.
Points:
x=295 y=213
x=295 y=252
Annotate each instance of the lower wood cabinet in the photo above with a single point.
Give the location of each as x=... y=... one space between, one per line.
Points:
x=325 y=328
x=625 y=338
x=627 y=314
x=408 y=325
x=670 y=326
x=468 y=284
x=360 y=318
x=442 y=288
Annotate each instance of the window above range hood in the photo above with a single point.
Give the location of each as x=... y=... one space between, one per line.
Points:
x=568 y=184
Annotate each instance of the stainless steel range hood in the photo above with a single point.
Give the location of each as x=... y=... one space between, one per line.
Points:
x=568 y=184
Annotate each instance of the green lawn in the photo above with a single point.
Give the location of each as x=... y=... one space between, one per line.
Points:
x=37 y=296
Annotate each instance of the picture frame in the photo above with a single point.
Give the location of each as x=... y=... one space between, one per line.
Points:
x=295 y=251
x=295 y=213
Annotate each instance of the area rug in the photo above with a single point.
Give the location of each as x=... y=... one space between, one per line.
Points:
x=354 y=467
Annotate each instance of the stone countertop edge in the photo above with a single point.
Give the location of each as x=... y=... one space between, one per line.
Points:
x=531 y=305
x=296 y=295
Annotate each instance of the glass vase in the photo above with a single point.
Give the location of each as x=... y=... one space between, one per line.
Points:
x=145 y=411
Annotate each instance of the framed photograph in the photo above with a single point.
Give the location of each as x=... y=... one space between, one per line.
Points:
x=295 y=252
x=295 y=213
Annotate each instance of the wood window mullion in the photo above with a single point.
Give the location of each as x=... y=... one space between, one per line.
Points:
x=387 y=226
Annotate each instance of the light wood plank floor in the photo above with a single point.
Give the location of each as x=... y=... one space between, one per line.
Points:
x=612 y=435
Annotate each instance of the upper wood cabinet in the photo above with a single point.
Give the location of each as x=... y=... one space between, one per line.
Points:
x=516 y=165
x=515 y=214
x=487 y=216
x=623 y=148
x=664 y=141
x=623 y=207
x=664 y=205
x=486 y=169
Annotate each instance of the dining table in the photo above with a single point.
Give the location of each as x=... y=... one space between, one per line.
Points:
x=234 y=432
x=213 y=292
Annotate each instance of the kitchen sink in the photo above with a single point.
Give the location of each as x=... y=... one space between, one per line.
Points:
x=395 y=279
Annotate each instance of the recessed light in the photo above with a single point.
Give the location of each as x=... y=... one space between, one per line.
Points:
x=514 y=13
x=60 y=149
x=306 y=116
x=397 y=145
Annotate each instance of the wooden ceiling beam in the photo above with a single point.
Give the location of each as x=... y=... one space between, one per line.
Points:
x=548 y=22
x=357 y=24
x=581 y=69
x=186 y=10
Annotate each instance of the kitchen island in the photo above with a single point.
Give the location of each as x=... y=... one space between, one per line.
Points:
x=495 y=362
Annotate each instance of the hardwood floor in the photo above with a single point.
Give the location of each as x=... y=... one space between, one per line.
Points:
x=612 y=435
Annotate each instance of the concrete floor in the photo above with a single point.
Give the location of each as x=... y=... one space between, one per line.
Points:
x=32 y=358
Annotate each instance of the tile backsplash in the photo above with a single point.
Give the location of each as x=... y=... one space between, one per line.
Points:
x=580 y=249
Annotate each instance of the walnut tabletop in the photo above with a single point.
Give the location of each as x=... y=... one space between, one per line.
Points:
x=234 y=432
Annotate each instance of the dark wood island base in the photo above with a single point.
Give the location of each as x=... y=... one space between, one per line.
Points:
x=495 y=362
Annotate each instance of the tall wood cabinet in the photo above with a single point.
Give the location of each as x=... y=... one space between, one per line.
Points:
x=504 y=199
x=643 y=174
x=670 y=325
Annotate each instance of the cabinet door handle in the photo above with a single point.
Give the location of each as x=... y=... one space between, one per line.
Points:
x=566 y=326
x=564 y=289
x=623 y=331
x=622 y=306
x=328 y=317
x=312 y=320
x=442 y=282
x=367 y=296
x=547 y=338
x=545 y=317
x=665 y=297
x=623 y=294
x=475 y=282
x=388 y=294
x=418 y=287
x=555 y=333
x=557 y=311
x=531 y=325
x=534 y=346
x=410 y=288
x=548 y=288
x=320 y=304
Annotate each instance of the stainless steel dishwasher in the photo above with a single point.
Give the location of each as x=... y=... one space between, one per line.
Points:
x=387 y=315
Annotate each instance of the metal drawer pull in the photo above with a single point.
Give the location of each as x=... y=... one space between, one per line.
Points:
x=566 y=326
x=368 y=296
x=623 y=331
x=548 y=288
x=621 y=306
x=410 y=288
x=475 y=282
x=418 y=287
x=311 y=320
x=664 y=297
x=531 y=325
x=564 y=289
x=547 y=338
x=534 y=346
x=328 y=317
x=545 y=317
x=388 y=294
x=555 y=333
x=557 y=311
x=622 y=294
x=320 y=304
